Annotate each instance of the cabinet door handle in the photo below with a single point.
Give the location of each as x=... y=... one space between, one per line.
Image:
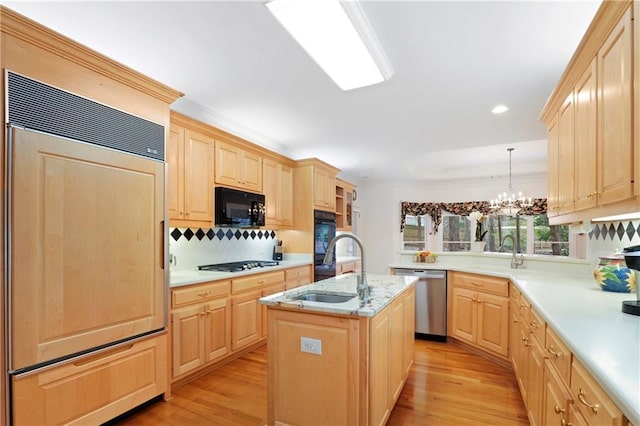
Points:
x=552 y=351
x=558 y=410
x=205 y=294
x=563 y=422
x=594 y=407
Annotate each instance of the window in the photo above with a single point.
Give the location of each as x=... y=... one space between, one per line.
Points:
x=456 y=233
x=550 y=239
x=531 y=234
x=414 y=236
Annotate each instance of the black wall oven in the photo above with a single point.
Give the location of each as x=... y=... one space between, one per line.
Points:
x=324 y=229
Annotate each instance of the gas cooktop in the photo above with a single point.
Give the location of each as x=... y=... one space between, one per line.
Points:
x=238 y=266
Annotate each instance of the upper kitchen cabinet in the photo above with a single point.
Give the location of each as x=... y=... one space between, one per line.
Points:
x=590 y=122
x=277 y=187
x=344 y=205
x=190 y=159
x=320 y=179
x=238 y=168
x=615 y=96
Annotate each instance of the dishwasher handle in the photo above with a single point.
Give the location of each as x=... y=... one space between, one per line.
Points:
x=422 y=273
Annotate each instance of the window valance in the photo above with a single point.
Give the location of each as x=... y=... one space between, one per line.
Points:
x=538 y=206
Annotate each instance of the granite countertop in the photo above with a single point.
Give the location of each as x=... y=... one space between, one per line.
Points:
x=590 y=321
x=385 y=289
x=182 y=278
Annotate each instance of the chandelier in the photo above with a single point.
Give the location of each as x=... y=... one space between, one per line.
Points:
x=507 y=204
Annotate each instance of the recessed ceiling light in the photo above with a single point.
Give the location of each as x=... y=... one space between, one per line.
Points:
x=338 y=37
x=499 y=109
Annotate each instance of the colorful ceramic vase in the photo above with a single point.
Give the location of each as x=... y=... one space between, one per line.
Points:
x=612 y=274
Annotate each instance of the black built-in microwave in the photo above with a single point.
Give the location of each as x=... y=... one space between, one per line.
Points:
x=239 y=209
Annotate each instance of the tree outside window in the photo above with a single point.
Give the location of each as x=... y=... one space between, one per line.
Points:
x=414 y=235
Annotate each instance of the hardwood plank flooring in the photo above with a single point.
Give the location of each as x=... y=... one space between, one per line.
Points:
x=447 y=385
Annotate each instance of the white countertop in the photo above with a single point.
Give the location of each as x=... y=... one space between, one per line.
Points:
x=182 y=278
x=590 y=321
x=385 y=289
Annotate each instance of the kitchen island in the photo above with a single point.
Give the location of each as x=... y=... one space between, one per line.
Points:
x=339 y=363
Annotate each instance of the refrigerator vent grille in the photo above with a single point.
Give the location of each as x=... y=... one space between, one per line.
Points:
x=37 y=106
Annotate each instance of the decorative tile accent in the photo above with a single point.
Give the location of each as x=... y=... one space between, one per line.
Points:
x=620 y=230
x=631 y=230
x=220 y=233
x=616 y=231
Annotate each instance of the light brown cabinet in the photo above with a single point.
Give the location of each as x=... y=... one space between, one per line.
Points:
x=593 y=404
x=95 y=389
x=201 y=326
x=565 y=155
x=324 y=188
x=553 y=164
x=557 y=400
x=216 y=320
x=295 y=277
x=344 y=205
x=190 y=174
x=585 y=141
x=590 y=123
x=480 y=312
x=246 y=310
x=555 y=387
x=237 y=167
x=277 y=185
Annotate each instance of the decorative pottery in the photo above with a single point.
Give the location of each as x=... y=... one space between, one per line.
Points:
x=612 y=274
x=477 y=246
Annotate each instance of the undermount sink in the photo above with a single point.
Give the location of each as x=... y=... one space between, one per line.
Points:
x=324 y=297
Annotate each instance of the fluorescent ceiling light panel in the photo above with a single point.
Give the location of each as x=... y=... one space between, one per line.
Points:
x=326 y=30
x=499 y=109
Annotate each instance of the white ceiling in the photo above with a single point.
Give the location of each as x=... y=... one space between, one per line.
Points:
x=453 y=62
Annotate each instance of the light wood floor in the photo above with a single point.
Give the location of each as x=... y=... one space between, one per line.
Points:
x=447 y=386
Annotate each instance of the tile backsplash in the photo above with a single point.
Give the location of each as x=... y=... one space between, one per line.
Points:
x=200 y=246
x=609 y=237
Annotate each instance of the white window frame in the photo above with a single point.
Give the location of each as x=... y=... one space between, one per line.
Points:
x=577 y=243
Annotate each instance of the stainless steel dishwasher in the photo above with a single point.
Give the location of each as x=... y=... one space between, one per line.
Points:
x=431 y=302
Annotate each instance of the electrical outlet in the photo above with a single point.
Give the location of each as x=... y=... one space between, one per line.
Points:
x=312 y=346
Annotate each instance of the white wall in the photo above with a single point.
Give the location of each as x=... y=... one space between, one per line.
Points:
x=379 y=205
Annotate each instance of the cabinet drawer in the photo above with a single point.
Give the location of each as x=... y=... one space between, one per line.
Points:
x=345 y=267
x=559 y=355
x=499 y=286
x=591 y=401
x=256 y=281
x=537 y=325
x=199 y=292
x=297 y=273
x=96 y=389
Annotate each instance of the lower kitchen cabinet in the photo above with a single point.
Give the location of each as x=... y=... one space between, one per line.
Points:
x=216 y=320
x=246 y=310
x=557 y=400
x=201 y=331
x=595 y=407
x=555 y=387
x=246 y=319
x=272 y=289
x=481 y=317
x=295 y=277
x=95 y=389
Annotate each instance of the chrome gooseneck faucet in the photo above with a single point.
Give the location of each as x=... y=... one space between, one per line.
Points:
x=364 y=291
x=515 y=261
